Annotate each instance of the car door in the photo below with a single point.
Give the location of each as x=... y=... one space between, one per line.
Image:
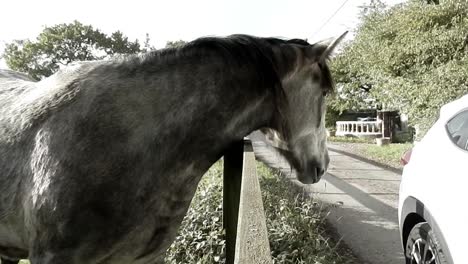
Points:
x=455 y=167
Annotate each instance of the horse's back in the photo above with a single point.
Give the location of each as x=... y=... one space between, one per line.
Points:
x=12 y=85
x=13 y=75
x=61 y=138
x=25 y=103
x=25 y=108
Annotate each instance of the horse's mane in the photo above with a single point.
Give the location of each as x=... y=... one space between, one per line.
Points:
x=237 y=51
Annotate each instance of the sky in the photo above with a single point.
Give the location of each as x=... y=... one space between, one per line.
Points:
x=171 y=20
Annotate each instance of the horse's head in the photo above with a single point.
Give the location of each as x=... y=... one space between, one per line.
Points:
x=299 y=126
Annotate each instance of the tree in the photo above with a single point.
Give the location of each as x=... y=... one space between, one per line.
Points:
x=412 y=57
x=146 y=45
x=175 y=44
x=62 y=44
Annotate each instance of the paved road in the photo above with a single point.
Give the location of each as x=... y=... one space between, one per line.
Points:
x=364 y=200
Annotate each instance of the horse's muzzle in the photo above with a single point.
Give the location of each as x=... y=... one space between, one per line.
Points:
x=311 y=174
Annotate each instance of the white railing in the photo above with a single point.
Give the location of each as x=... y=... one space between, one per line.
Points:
x=359 y=128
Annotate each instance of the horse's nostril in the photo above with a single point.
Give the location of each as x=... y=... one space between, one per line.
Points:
x=311 y=175
x=320 y=172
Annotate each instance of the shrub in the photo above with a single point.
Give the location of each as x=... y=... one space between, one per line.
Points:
x=296 y=224
x=200 y=238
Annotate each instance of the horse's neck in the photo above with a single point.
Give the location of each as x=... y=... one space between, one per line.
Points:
x=201 y=125
x=248 y=112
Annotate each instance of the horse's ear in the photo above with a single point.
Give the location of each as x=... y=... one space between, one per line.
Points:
x=322 y=50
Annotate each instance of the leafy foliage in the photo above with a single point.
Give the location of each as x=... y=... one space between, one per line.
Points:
x=296 y=224
x=200 y=238
x=175 y=44
x=62 y=44
x=412 y=57
x=331 y=116
x=146 y=45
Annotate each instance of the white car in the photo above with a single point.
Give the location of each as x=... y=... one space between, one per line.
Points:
x=434 y=190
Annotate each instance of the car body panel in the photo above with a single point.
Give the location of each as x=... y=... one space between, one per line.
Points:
x=413 y=206
x=436 y=178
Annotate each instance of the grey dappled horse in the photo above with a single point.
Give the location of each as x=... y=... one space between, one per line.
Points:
x=99 y=162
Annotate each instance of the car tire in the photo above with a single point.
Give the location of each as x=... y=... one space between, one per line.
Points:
x=423 y=244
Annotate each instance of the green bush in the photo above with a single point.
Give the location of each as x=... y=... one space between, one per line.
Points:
x=331 y=116
x=200 y=238
x=296 y=224
x=412 y=57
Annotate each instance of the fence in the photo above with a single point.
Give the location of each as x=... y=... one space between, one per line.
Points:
x=359 y=128
x=243 y=214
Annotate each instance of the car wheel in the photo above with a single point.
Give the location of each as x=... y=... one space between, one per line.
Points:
x=423 y=247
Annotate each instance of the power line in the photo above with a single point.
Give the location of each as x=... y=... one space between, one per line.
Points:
x=330 y=18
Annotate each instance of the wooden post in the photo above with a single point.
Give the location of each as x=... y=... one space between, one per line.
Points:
x=387 y=123
x=252 y=246
x=232 y=180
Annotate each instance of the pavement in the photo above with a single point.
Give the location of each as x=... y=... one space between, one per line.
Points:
x=363 y=199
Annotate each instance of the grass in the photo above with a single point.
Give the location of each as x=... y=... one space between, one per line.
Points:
x=200 y=238
x=296 y=225
x=349 y=139
x=388 y=154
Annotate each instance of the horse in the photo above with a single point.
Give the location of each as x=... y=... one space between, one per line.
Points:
x=100 y=161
